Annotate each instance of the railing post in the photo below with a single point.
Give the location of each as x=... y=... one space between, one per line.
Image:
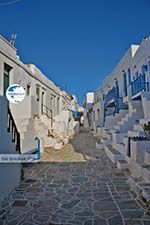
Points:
x=8 y=126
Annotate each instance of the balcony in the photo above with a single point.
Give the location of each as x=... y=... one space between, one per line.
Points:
x=111 y=95
x=111 y=101
x=139 y=84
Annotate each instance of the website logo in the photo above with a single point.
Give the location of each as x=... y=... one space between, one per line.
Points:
x=15 y=93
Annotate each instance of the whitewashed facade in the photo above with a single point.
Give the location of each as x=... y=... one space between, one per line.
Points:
x=121 y=107
x=88 y=113
x=44 y=111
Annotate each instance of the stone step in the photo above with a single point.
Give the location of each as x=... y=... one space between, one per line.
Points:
x=146 y=172
x=23 y=121
x=108 y=135
x=112 y=131
x=22 y=135
x=121 y=147
x=137 y=127
x=141 y=188
x=123 y=120
x=125 y=140
x=132 y=133
x=113 y=155
x=106 y=141
x=117 y=127
x=22 y=128
x=142 y=121
x=147 y=157
x=99 y=146
x=122 y=164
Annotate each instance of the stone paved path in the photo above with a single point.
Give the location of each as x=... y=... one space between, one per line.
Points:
x=87 y=190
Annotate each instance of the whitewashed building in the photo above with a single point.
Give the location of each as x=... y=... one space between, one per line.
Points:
x=44 y=113
x=121 y=107
x=88 y=113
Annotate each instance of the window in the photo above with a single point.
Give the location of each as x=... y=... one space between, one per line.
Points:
x=129 y=76
x=58 y=105
x=28 y=89
x=42 y=101
x=144 y=69
x=98 y=113
x=53 y=100
x=7 y=70
x=137 y=74
x=37 y=93
x=125 y=84
x=94 y=116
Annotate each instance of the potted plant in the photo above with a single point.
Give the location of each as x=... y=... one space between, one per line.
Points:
x=138 y=146
x=146 y=128
x=138 y=138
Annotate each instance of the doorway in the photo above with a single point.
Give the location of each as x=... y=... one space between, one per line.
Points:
x=6 y=84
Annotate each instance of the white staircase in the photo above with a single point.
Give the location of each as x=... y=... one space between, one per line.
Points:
x=117 y=137
x=113 y=119
x=45 y=131
x=10 y=144
x=129 y=120
x=27 y=134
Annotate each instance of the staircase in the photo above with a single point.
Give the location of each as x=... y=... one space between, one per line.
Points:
x=116 y=139
x=45 y=130
x=10 y=144
x=27 y=134
x=113 y=119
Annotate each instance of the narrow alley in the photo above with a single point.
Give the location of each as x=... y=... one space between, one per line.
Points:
x=77 y=185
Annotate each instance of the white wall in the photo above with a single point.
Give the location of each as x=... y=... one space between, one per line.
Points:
x=89 y=97
x=29 y=75
x=9 y=172
x=133 y=59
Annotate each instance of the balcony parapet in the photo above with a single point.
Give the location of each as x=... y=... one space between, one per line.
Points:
x=139 y=84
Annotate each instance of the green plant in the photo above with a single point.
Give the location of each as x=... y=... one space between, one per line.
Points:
x=146 y=126
x=139 y=138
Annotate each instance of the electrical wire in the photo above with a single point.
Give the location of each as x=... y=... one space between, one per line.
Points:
x=9 y=2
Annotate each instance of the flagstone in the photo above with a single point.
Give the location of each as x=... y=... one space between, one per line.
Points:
x=116 y=220
x=41 y=218
x=81 y=193
x=104 y=206
x=70 y=204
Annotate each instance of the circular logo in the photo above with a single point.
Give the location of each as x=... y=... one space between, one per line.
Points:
x=15 y=93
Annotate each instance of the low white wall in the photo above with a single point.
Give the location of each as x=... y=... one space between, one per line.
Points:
x=146 y=104
x=138 y=149
x=9 y=173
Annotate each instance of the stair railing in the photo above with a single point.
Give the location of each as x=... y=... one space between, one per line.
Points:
x=12 y=128
x=48 y=112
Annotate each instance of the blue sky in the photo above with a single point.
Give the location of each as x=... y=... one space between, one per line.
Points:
x=76 y=43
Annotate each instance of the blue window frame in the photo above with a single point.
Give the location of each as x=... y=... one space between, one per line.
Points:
x=129 y=76
x=125 y=84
